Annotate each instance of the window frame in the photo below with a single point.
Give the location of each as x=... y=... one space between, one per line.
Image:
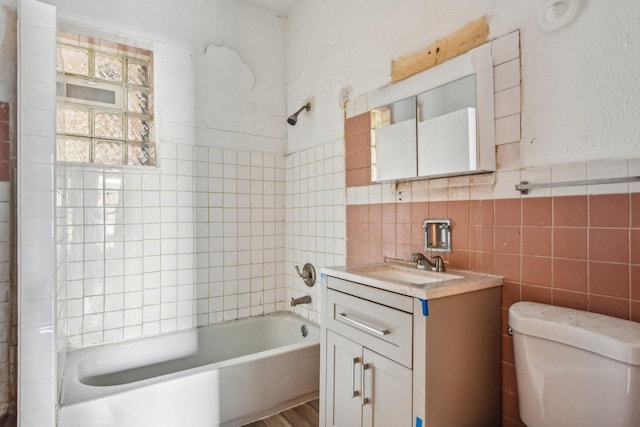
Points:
x=141 y=141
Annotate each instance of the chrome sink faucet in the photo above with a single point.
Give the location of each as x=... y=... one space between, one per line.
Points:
x=423 y=263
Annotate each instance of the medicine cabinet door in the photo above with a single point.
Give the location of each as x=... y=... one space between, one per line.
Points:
x=447 y=137
x=393 y=141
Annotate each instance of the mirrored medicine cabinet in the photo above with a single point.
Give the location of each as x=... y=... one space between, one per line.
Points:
x=437 y=123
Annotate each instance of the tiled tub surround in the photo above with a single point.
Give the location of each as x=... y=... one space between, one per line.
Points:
x=199 y=240
x=315 y=220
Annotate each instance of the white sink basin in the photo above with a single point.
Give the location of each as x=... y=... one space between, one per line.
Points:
x=395 y=273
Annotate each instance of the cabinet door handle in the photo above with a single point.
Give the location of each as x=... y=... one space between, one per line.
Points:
x=355 y=393
x=381 y=332
x=365 y=400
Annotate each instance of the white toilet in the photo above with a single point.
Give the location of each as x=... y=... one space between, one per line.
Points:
x=575 y=368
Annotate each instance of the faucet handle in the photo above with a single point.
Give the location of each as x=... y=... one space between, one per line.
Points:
x=439 y=263
x=417 y=257
x=304 y=274
x=308 y=274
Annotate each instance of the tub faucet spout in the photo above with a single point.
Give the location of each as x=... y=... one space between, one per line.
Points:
x=300 y=300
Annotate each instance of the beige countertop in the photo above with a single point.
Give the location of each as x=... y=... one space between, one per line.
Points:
x=405 y=279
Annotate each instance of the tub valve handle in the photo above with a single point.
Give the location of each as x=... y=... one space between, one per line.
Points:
x=308 y=274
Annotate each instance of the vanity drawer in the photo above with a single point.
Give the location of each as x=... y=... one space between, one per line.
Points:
x=382 y=329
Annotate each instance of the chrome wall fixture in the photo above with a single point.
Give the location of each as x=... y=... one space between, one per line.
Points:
x=437 y=235
x=525 y=186
x=306 y=299
x=293 y=119
x=308 y=274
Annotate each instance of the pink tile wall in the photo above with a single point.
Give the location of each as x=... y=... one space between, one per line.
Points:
x=7 y=288
x=576 y=251
x=358 y=151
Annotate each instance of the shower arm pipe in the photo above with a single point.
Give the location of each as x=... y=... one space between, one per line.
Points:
x=306 y=106
x=293 y=119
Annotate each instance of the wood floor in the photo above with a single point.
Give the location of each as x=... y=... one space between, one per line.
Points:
x=10 y=420
x=305 y=415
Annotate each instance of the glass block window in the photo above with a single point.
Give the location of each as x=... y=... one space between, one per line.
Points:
x=105 y=102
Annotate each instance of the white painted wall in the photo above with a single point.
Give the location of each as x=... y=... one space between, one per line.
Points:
x=579 y=100
x=219 y=65
x=244 y=38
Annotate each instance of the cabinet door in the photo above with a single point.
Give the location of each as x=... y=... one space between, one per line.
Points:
x=387 y=388
x=344 y=382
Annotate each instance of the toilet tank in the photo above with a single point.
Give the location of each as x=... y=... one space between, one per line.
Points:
x=575 y=368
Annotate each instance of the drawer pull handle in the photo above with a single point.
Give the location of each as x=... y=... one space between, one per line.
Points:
x=364 y=326
x=355 y=393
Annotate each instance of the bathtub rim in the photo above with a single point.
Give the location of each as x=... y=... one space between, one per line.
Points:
x=74 y=392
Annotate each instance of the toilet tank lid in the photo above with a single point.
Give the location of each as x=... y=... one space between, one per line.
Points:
x=605 y=335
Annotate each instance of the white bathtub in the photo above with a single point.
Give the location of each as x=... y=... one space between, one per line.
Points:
x=218 y=375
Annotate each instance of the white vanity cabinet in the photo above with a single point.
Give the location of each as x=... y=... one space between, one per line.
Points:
x=368 y=359
x=392 y=360
x=365 y=386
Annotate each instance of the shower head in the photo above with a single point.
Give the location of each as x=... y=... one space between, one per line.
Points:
x=293 y=119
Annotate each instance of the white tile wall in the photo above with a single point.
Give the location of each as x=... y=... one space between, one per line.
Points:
x=507 y=75
x=155 y=250
x=505 y=48
x=507 y=102
x=36 y=251
x=315 y=218
x=508 y=129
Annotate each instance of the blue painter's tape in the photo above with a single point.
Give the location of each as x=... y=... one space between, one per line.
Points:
x=419 y=420
x=425 y=307
x=323 y=276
